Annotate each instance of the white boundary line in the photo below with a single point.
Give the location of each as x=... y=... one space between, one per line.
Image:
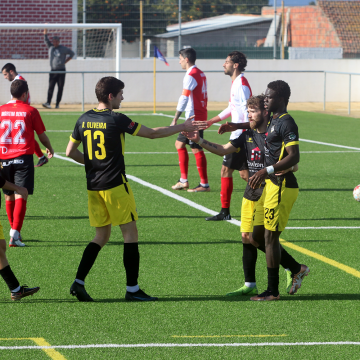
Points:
x=171 y=345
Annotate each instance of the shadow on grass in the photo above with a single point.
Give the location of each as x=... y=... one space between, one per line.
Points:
x=85 y=242
x=301 y=190
x=196 y=298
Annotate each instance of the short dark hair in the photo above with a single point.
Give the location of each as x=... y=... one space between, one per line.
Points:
x=108 y=85
x=256 y=102
x=18 y=87
x=8 y=67
x=238 y=57
x=281 y=88
x=189 y=53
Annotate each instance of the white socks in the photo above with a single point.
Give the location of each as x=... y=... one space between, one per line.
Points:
x=132 y=289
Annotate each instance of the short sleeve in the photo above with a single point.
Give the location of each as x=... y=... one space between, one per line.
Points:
x=239 y=142
x=289 y=133
x=127 y=125
x=38 y=124
x=75 y=137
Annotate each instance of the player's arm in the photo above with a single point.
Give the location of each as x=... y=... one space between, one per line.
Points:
x=189 y=85
x=283 y=172
x=46 y=39
x=71 y=55
x=46 y=142
x=73 y=152
x=176 y=118
x=159 y=132
x=222 y=116
x=217 y=149
x=287 y=162
x=229 y=127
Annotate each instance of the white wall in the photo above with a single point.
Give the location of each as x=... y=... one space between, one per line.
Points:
x=305 y=87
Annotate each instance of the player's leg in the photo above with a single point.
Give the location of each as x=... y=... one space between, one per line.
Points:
x=225 y=193
x=89 y=256
x=42 y=158
x=180 y=145
x=61 y=83
x=201 y=165
x=131 y=259
x=23 y=176
x=100 y=219
x=52 y=82
x=17 y=291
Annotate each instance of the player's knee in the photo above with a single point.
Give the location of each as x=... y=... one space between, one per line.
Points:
x=226 y=172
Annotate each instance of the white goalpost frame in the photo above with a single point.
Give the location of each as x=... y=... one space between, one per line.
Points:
x=77 y=26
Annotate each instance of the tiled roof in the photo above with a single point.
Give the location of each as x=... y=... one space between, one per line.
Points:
x=345 y=17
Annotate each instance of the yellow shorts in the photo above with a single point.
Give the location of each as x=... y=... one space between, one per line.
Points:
x=115 y=206
x=274 y=207
x=247 y=215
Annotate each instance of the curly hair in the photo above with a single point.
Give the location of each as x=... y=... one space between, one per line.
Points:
x=238 y=58
x=281 y=88
x=256 y=102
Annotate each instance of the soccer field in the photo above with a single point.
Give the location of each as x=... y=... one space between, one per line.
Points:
x=190 y=264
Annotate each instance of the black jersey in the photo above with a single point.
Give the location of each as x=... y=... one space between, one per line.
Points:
x=281 y=132
x=102 y=133
x=252 y=143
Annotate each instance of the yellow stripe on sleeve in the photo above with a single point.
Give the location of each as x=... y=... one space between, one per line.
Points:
x=137 y=130
x=74 y=141
x=292 y=143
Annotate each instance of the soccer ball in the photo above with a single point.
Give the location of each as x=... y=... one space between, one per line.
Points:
x=356 y=193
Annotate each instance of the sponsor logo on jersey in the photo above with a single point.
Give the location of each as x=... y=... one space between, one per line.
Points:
x=253 y=164
x=292 y=136
x=131 y=125
x=250 y=140
x=255 y=154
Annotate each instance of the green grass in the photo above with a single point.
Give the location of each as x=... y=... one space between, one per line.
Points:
x=188 y=263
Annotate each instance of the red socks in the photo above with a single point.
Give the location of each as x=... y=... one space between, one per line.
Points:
x=38 y=151
x=201 y=166
x=226 y=191
x=18 y=214
x=183 y=162
x=10 y=206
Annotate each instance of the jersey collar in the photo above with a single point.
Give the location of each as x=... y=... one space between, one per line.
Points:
x=190 y=68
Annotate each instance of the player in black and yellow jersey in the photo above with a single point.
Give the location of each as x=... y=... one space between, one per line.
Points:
x=280 y=192
x=251 y=142
x=110 y=199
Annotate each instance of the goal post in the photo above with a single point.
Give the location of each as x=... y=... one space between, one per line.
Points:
x=23 y=45
x=19 y=29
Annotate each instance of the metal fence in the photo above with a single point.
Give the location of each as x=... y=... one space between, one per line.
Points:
x=320 y=29
x=82 y=83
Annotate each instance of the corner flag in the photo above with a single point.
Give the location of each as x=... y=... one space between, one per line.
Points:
x=159 y=55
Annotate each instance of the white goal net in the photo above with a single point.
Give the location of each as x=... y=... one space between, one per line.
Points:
x=97 y=47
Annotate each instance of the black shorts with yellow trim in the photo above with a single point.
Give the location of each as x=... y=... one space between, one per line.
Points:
x=182 y=138
x=235 y=161
x=274 y=207
x=115 y=206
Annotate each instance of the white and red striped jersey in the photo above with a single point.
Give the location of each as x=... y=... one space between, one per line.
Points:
x=239 y=94
x=18 y=121
x=19 y=77
x=194 y=96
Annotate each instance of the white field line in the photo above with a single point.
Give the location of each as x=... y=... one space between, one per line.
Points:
x=203 y=208
x=172 y=345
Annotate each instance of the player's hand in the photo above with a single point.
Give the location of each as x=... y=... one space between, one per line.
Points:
x=174 y=122
x=49 y=153
x=23 y=192
x=189 y=124
x=227 y=127
x=193 y=136
x=201 y=125
x=256 y=180
x=45 y=31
